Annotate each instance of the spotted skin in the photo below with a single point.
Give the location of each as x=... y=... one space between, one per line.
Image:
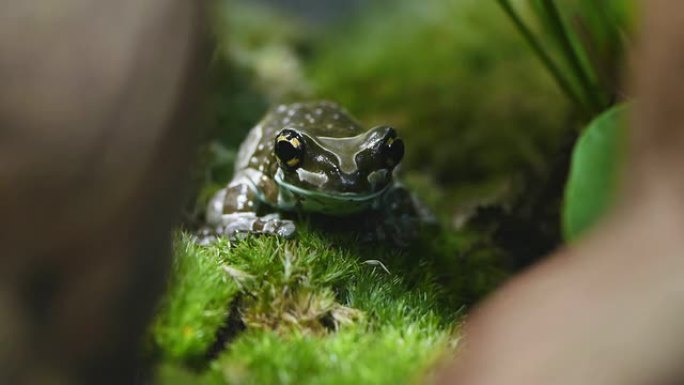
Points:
x=308 y=157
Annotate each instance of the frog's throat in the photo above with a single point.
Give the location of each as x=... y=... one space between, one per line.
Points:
x=347 y=197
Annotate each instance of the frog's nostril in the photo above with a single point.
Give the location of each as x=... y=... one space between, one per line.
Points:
x=351 y=183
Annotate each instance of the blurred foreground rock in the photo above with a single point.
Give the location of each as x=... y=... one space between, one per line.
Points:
x=94 y=152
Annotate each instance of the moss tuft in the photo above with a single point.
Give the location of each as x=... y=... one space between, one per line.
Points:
x=322 y=308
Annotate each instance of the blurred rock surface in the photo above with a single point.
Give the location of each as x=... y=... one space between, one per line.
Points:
x=93 y=158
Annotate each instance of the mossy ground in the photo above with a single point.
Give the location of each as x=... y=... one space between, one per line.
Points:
x=324 y=308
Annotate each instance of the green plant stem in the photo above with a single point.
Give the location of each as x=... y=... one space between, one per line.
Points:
x=562 y=35
x=546 y=60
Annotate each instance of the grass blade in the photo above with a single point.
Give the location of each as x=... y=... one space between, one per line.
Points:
x=545 y=58
x=592 y=93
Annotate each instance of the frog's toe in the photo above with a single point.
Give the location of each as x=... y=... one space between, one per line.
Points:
x=237 y=223
x=286 y=229
x=272 y=224
x=237 y=226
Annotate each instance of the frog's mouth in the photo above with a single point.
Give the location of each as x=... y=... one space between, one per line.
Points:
x=292 y=196
x=348 y=196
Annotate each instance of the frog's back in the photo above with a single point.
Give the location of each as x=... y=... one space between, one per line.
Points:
x=319 y=118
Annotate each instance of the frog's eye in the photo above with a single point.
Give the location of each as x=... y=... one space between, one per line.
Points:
x=289 y=149
x=393 y=150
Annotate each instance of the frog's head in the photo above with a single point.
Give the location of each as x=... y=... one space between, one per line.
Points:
x=335 y=175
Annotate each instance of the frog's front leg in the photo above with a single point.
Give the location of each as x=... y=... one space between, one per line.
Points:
x=402 y=216
x=233 y=212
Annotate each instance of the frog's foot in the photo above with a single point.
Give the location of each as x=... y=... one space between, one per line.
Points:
x=400 y=205
x=402 y=217
x=240 y=225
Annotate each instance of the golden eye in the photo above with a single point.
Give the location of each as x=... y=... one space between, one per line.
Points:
x=289 y=148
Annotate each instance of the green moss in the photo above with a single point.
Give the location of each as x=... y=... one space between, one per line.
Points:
x=322 y=308
x=353 y=356
x=195 y=305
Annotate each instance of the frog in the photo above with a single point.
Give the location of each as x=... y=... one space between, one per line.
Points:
x=314 y=157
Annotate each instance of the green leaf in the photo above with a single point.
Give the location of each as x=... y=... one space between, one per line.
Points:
x=597 y=163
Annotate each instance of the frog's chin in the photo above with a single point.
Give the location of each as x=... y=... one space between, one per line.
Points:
x=291 y=197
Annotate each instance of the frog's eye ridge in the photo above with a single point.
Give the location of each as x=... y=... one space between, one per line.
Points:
x=289 y=149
